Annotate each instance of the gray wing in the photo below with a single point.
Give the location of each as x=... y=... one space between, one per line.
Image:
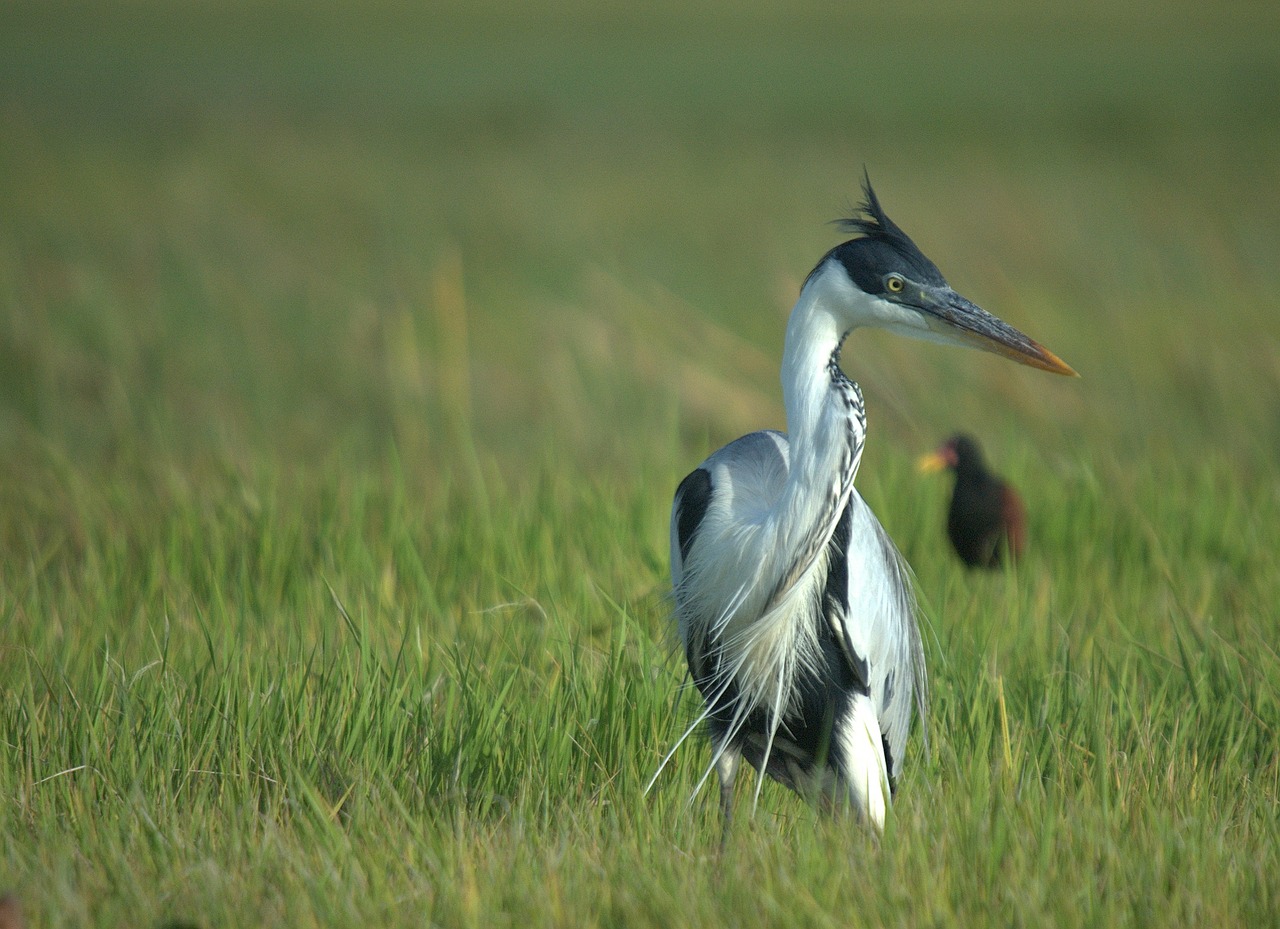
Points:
x=745 y=476
x=880 y=625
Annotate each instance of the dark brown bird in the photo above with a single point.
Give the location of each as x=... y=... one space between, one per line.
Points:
x=986 y=518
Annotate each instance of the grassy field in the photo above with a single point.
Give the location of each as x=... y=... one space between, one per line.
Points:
x=349 y=358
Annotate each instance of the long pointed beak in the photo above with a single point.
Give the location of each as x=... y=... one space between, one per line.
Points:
x=958 y=319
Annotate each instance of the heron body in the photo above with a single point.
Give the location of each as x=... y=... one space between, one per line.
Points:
x=794 y=607
x=986 y=521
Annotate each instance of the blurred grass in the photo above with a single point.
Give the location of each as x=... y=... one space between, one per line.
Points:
x=349 y=355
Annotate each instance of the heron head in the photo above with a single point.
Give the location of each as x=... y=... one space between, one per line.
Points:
x=895 y=286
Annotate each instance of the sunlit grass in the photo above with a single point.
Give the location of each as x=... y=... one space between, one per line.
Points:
x=343 y=388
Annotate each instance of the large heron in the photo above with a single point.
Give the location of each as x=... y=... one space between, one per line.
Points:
x=795 y=609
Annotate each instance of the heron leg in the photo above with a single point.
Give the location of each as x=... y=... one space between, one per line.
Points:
x=726 y=767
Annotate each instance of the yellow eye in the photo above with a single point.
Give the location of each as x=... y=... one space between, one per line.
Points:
x=894 y=284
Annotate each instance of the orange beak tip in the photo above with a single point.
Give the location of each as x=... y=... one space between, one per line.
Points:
x=1054 y=365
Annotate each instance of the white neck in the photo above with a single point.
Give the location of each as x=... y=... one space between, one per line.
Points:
x=816 y=411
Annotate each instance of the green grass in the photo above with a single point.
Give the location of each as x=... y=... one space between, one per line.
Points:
x=349 y=358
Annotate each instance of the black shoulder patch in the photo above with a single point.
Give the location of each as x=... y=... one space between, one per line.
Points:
x=693 y=496
x=835 y=598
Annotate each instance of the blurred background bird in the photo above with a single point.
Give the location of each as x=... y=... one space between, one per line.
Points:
x=986 y=521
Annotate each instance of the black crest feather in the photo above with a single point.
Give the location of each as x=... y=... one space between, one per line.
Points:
x=870 y=220
x=879 y=246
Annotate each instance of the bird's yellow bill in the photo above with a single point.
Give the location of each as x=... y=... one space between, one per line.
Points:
x=931 y=463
